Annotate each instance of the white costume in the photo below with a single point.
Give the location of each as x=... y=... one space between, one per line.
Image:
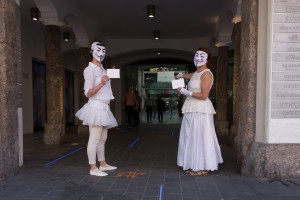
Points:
x=96 y=112
x=198 y=145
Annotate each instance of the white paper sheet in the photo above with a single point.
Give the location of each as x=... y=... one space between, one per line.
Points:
x=179 y=83
x=113 y=73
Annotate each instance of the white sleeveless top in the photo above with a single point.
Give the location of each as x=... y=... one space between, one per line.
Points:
x=192 y=104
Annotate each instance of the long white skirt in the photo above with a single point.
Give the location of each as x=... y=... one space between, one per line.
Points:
x=198 y=144
x=96 y=113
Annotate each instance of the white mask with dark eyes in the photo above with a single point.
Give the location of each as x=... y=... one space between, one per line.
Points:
x=200 y=58
x=98 y=51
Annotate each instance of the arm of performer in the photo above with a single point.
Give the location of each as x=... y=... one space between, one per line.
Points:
x=89 y=80
x=187 y=76
x=206 y=79
x=94 y=90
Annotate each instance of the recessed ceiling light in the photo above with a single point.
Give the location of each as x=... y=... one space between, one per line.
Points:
x=151 y=11
x=156 y=34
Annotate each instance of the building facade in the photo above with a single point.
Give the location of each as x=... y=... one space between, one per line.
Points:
x=40 y=72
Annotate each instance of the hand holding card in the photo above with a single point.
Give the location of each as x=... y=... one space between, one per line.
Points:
x=179 y=83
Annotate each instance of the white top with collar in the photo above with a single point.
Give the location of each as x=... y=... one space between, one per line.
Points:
x=92 y=76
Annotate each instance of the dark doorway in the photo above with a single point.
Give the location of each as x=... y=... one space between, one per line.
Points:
x=69 y=97
x=39 y=95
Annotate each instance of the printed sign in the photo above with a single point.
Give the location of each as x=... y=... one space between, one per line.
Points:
x=165 y=76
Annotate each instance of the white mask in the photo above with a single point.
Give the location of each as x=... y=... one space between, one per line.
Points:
x=98 y=51
x=200 y=58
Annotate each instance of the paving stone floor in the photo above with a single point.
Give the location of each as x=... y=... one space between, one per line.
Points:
x=146 y=160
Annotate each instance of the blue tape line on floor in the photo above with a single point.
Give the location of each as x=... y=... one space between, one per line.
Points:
x=72 y=152
x=160 y=192
x=133 y=143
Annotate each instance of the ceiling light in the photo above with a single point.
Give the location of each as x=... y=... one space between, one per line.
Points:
x=66 y=36
x=35 y=14
x=156 y=34
x=151 y=11
x=158 y=52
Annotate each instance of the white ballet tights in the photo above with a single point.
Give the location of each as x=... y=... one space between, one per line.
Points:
x=96 y=144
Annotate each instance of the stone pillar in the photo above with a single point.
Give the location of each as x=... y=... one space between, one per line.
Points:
x=236 y=81
x=222 y=80
x=247 y=87
x=55 y=126
x=85 y=57
x=9 y=139
x=213 y=68
x=256 y=154
x=20 y=82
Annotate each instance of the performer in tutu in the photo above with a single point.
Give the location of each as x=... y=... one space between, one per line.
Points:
x=198 y=150
x=96 y=112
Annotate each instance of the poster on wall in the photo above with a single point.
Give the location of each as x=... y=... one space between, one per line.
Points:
x=165 y=76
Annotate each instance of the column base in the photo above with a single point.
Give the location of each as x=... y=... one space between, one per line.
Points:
x=275 y=161
x=222 y=128
x=82 y=129
x=232 y=135
x=54 y=133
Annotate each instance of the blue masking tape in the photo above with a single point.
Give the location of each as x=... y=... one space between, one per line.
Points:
x=72 y=152
x=160 y=192
x=133 y=143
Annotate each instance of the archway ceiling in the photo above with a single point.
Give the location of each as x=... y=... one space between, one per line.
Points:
x=124 y=25
x=127 y=19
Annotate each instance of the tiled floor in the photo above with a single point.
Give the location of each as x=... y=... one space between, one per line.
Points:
x=146 y=160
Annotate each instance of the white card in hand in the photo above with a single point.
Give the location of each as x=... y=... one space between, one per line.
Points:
x=179 y=83
x=113 y=73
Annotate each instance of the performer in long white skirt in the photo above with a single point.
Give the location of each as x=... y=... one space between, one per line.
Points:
x=96 y=112
x=198 y=150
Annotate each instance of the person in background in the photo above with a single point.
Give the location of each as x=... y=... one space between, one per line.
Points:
x=154 y=107
x=198 y=149
x=148 y=107
x=171 y=107
x=179 y=105
x=129 y=104
x=137 y=109
x=96 y=112
x=161 y=107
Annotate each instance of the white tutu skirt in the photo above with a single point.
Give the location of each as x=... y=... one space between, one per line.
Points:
x=97 y=113
x=198 y=147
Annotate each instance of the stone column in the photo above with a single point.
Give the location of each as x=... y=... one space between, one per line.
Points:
x=213 y=68
x=236 y=81
x=246 y=152
x=85 y=57
x=20 y=81
x=222 y=80
x=9 y=139
x=257 y=155
x=55 y=126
